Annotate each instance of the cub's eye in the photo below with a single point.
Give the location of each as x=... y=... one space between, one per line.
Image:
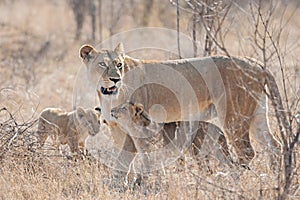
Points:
x=102 y=64
x=119 y=65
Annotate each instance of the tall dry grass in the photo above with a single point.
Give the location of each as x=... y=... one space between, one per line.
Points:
x=30 y=173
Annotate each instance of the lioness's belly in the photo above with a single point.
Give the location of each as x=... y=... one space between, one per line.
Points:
x=163 y=105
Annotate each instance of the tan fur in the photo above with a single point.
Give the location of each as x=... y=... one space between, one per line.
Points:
x=70 y=128
x=230 y=87
x=148 y=136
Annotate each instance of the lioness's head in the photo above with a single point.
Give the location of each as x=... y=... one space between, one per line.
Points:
x=105 y=67
x=131 y=113
x=89 y=119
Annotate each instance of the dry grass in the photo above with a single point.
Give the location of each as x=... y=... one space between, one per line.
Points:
x=28 y=172
x=38 y=66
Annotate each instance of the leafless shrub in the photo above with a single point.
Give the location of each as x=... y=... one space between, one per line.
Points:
x=267 y=40
x=209 y=15
x=178 y=28
x=17 y=139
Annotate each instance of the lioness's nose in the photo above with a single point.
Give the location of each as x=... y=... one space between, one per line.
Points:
x=115 y=80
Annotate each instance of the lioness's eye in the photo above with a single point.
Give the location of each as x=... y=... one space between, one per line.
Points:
x=119 y=65
x=102 y=64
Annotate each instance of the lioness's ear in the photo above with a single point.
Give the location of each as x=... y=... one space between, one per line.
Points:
x=80 y=112
x=120 y=49
x=139 y=108
x=86 y=52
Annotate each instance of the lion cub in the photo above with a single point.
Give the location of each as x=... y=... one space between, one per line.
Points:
x=204 y=138
x=70 y=128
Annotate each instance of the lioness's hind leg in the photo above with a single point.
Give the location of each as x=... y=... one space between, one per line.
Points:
x=211 y=139
x=238 y=140
x=260 y=135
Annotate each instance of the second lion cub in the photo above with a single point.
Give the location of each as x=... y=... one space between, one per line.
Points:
x=70 y=128
x=149 y=136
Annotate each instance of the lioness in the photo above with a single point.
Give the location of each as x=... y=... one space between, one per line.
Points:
x=155 y=138
x=229 y=88
x=70 y=128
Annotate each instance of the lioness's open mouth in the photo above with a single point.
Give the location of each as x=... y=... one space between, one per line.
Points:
x=109 y=91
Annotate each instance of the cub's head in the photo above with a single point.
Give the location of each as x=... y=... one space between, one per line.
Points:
x=131 y=113
x=105 y=68
x=89 y=119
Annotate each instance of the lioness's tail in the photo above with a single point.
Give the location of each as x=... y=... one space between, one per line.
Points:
x=277 y=103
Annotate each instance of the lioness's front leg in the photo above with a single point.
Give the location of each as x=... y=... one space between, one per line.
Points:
x=126 y=154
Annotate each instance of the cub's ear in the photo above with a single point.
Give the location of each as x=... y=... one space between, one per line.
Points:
x=120 y=49
x=80 y=112
x=86 y=52
x=139 y=108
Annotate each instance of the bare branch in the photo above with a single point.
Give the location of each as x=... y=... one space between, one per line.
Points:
x=194 y=29
x=178 y=28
